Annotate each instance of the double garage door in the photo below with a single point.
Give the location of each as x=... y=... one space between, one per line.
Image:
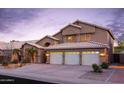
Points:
x=73 y=58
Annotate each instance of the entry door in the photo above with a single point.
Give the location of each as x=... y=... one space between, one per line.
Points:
x=72 y=58
x=89 y=59
x=56 y=58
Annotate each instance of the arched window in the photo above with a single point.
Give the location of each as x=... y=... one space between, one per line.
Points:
x=47 y=44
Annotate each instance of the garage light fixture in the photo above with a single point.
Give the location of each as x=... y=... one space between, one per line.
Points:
x=91 y=52
x=97 y=52
x=56 y=52
x=72 y=52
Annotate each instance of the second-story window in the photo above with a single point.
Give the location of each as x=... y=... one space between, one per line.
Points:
x=85 y=37
x=71 y=38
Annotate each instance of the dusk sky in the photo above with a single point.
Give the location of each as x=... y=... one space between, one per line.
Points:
x=31 y=24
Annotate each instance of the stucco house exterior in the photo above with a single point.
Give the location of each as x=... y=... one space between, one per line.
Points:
x=79 y=43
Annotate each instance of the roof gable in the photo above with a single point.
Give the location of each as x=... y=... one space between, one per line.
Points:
x=101 y=27
x=34 y=45
x=72 y=25
x=71 y=29
x=50 y=37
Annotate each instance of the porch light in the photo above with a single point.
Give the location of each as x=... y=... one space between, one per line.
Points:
x=102 y=54
x=69 y=38
x=47 y=55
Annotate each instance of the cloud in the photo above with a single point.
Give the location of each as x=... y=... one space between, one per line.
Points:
x=27 y=24
x=117 y=24
x=10 y=16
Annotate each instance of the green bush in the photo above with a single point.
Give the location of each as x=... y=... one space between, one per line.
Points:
x=1 y=62
x=5 y=63
x=96 y=68
x=14 y=62
x=104 y=65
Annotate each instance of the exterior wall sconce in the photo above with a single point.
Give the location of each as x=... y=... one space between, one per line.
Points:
x=47 y=54
x=102 y=54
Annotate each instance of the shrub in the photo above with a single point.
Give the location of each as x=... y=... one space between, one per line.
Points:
x=104 y=65
x=14 y=61
x=96 y=68
x=5 y=63
x=1 y=62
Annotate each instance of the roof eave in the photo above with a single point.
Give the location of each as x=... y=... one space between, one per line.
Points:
x=75 y=48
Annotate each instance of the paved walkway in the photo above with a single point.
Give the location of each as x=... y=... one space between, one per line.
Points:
x=66 y=74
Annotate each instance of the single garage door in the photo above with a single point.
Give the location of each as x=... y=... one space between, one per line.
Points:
x=56 y=57
x=72 y=58
x=89 y=58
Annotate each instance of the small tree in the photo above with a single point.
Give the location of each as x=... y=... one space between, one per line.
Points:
x=15 y=55
x=119 y=48
x=31 y=53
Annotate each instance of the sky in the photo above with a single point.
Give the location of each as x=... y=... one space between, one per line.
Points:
x=34 y=23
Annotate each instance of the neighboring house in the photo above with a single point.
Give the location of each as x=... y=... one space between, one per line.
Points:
x=79 y=43
x=116 y=43
x=6 y=49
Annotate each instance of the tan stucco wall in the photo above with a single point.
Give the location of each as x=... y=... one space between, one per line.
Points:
x=70 y=30
x=86 y=28
x=45 y=40
x=59 y=36
x=100 y=35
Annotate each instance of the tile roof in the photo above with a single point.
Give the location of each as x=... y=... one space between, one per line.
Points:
x=35 y=45
x=52 y=37
x=47 y=36
x=73 y=25
x=90 y=44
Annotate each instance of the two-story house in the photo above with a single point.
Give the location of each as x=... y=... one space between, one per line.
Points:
x=79 y=43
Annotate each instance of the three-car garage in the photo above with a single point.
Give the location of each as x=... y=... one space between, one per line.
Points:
x=79 y=53
x=75 y=58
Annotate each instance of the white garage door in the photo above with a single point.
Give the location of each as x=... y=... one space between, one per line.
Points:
x=90 y=58
x=72 y=58
x=56 y=58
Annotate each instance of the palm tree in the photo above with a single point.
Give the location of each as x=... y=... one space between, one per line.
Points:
x=15 y=55
x=32 y=53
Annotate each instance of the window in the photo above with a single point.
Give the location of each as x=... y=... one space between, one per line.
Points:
x=71 y=38
x=47 y=44
x=85 y=37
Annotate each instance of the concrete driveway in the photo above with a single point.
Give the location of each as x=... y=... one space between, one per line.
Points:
x=68 y=74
